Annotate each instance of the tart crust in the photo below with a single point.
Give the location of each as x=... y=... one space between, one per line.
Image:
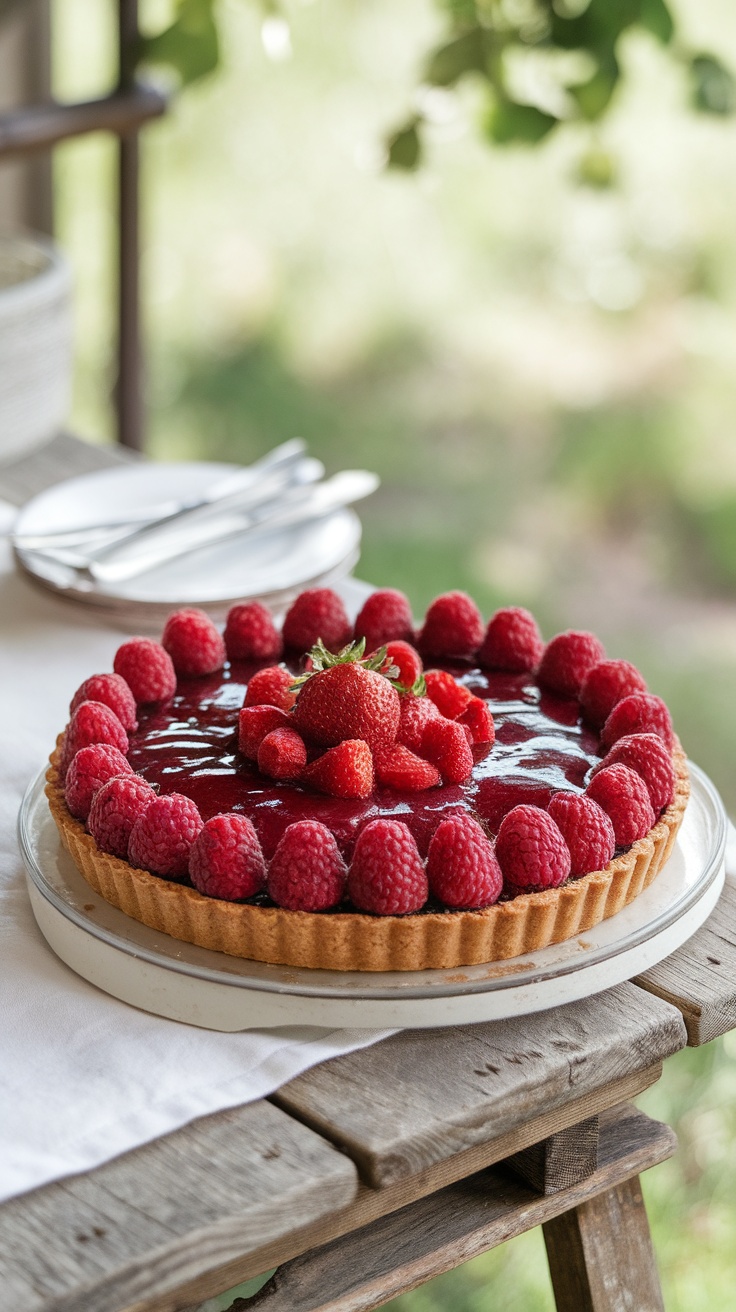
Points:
x=354 y=941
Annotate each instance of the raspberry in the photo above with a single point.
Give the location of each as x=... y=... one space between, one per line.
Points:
x=92 y=722
x=531 y=851
x=115 y=809
x=226 y=860
x=453 y=627
x=512 y=642
x=415 y=715
x=147 y=669
x=282 y=754
x=343 y=771
x=446 y=745
x=624 y=797
x=89 y=770
x=386 y=874
x=385 y=616
x=640 y=712
x=478 y=719
x=647 y=755
x=450 y=697
x=399 y=768
x=193 y=643
x=251 y=635
x=461 y=865
x=317 y=613
x=270 y=687
x=307 y=872
x=407 y=661
x=586 y=829
x=161 y=838
x=566 y=661
x=254 y=723
x=605 y=685
x=112 y=691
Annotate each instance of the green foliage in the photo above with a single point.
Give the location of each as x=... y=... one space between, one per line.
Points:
x=404 y=147
x=714 y=91
x=189 y=46
x=508 y=122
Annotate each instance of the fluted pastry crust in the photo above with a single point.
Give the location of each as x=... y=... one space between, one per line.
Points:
x=354 y=941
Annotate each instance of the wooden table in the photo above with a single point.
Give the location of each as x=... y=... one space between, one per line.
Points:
x=376 y=1171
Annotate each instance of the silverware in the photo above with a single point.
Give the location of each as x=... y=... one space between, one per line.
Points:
x=287 y=507
x=284 y=459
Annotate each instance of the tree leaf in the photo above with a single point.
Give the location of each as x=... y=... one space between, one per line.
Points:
x=404 y=147
x=714 y=91
x=597 y=168
x=657 y=19
x=593 y=97
x=509 y=121
x=465 y=54
x=190 y=46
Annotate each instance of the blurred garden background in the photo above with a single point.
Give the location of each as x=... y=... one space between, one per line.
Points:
x=543 y=372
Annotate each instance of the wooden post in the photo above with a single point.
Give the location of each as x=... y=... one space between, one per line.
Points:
x=129 y=387
x=25 y=77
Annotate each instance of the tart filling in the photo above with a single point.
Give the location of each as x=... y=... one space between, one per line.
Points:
x=186 y=745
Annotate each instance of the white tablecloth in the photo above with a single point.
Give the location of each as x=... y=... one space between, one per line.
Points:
x=82 y=1076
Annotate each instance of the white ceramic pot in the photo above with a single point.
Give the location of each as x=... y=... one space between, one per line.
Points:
x=35 y=343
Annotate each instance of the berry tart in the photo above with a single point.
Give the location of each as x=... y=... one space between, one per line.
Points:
x=368 y=796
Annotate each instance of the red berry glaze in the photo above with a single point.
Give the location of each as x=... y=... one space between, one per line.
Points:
x=147 y=669
x=384 y=616
x=512 y=642
x=566 y=661
x=250 y=634
x=453 y=627
x=115 y=808
x=112 y=691
x=92 y=722
x=307 y=872
x=446 y=744
x=415 y=714
x=89 y=770
x=193 y=642
x=625 y=798
x=478 y=719
x=386 y=875
x=397 y=767
x=161 y=839
x=271 y=687
x=586 y=829
x=606 y=684
x=461 y=865
x=282 y=754
x=450 y=697
x=343 y=771
x=531 y=851
x=317 y=613
x=647 y=755
x=254 y=722
x=226 y=860
x=640 y=712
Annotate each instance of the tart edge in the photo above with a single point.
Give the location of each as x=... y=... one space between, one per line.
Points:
x=353 y=941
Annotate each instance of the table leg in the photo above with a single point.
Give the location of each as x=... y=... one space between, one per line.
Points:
x=601 y=1257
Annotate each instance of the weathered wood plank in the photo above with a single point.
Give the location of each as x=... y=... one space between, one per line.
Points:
x=700 y=978
x=433 y=1095
x=64 y=457
x=601 y=1257
x=370 y=1203
x=130 y=1234
x=397 y=1253
x=560 y=1160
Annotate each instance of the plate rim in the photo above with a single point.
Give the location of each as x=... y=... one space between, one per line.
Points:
x=713 y=865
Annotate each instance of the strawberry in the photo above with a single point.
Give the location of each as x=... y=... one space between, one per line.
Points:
x=282 y=754
x=478 y=719
x=399 y=768
x=450 y=697
x=345 y=697
x=343 y=771
x=407 y=665
x=415 y=713
x=446 y=744
x=271 y=686
x=254 y=723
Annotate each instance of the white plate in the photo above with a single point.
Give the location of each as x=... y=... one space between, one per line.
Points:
x=272 y=567
x=186 y=983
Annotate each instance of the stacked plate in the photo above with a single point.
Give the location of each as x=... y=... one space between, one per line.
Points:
x=271 y=563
